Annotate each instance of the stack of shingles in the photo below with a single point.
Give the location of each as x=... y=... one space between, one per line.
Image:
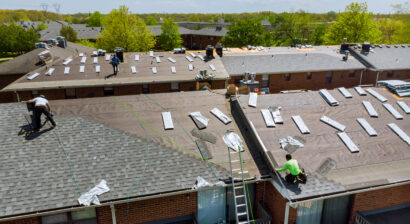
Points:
x=399 y=87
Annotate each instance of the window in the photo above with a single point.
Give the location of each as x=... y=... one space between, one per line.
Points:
x=287 y=77
x=70 y=93
x=342 y=76
x=108 y=91
x=86 y=216
x=309 y=76
x=265 y=81
x=329 y=77
x=390 y=74
x=352 y=73
x=145 y=88
x=174 y=86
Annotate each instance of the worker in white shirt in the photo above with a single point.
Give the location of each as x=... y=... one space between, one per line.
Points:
x=41 y=106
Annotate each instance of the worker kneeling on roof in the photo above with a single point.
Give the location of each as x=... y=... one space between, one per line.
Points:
x=41 y=106
x=295 y=172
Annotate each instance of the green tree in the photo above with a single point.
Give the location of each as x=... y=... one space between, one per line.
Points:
x=69 y=33
x=151 y=21
x=244 y=32
x=170 y=37
x=86 y=42
x=95 y=20
x=126 y=30
x=15 y=39
x=318 y=35
x=292 y=28
x=331 y=16
x=41 y=26
x=356 y=24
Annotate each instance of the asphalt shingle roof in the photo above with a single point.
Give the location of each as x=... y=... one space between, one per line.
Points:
x=34 y=174
x=395 y=57
x=287 y=61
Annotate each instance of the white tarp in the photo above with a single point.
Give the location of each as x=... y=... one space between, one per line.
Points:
x=201 y=182
x=198 y=117
x=233 y=141
x=289 y=141
x=91 y=196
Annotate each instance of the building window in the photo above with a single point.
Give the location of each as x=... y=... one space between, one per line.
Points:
x=174 y=86
x=390 y=74
x=342 y=76
x=86 y=216
x=108 y=91
x=329 y=77
x=287 y=77
x=70 y=93
x=352 y=73
x=265 y=81
x=309 y=76
x=145 y=88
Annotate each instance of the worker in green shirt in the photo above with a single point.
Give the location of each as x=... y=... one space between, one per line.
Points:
x=295 y=171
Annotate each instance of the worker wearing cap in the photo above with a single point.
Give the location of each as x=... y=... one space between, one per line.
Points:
x=41 y=106
x=115 y=61
x=293 y=166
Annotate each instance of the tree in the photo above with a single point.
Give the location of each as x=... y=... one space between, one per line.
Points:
x=69 y=33
x=86 y=42
x=95 y=20
x=319 y=34
x=355 y=24
x=151 y=21
x=126 y=30
x=244 y=32
x=15 y=39
x=331 y=16
x=292 y=28
x=170 y=37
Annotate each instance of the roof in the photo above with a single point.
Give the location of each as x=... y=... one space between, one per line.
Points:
x=104 y=140
x=83 y=32
x=384 y=159
x=125 y=76
x=28 y=62
x=390 y=57
x=289 y=60
x=207 y=31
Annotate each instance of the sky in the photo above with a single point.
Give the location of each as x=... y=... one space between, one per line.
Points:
x=199 y=6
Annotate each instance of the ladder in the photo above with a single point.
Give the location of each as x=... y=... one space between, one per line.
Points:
x=239 y=190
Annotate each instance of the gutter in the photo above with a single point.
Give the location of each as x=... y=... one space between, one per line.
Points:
x=112 y=203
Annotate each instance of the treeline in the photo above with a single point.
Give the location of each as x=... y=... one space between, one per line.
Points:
x=15 y=40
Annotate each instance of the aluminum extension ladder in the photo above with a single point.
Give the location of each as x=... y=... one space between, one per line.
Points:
x=239 y=190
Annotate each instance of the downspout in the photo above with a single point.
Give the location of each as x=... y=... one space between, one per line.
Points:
x=377 y=78
x=361 y=76
x=114 y=219
x=18 y=96
x=285 y=221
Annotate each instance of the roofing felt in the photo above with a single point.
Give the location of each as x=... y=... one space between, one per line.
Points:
x=289 y=60
x=143 y=73
x=383 y=159
x=103 y=140
x=28 y=62
x=394 y=57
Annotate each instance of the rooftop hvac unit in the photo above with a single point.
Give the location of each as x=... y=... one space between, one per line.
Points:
x=45 y=57
x=179 y=50
x=366 y=47
x=219 y=50
x=41 y=45
x=119 y=51
x=209 y=52
x=52 y=42
x=62 y=42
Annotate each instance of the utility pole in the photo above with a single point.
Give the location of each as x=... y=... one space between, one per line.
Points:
x=57 y=7
x=44 y=6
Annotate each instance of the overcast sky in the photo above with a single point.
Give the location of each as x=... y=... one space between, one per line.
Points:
x=198 y=6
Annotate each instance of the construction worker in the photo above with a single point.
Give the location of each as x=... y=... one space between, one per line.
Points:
x=115 y=61
x=293 y=167
x=41 y=106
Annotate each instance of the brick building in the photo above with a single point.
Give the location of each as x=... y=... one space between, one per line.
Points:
x=284 y=68
x=13 y=69
x=86 y=76
x=370 y=185
x=384 y=62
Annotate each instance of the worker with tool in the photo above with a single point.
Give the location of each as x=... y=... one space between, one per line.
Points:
x=295 y=172
x=41 y=106
x=115 y=61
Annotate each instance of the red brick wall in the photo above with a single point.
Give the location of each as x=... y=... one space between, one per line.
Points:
x=380 y=199
x=88 y=91
x=369 y=77
x=24 y=95
x=104 y=215
x=218 y=84
x=5 y=80
x=200 y=41
x=274 y=203
x=33 y=220
x=156 y=209
x=187 y=86
x=160 y=88
x=53 y=94
x=127 y=90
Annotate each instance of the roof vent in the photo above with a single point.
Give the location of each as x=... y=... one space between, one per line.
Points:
x=219 y=49
x=366 y=48
x=209 y=52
